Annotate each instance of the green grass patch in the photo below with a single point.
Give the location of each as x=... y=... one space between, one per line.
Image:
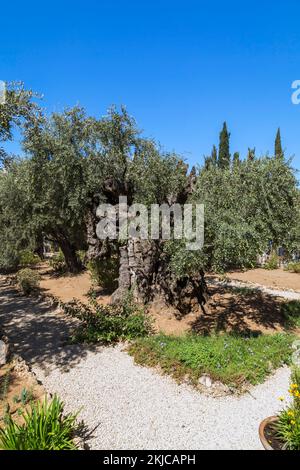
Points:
x=291 y=313
x=233 y=360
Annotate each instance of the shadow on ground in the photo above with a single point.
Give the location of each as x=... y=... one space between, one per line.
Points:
x=240 y=311
x=37 y=331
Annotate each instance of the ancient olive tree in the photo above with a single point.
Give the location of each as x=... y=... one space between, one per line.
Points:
x=135 y=168
x=58 y=150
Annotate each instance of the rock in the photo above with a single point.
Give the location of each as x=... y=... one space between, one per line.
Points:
x=221 y=389
x=205 y=380
x=3 y=352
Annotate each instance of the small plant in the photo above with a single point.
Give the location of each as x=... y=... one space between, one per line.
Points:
x=58 y=263
x=293 y=267
x=4 y=384
x=81 y=255
x=104 y=272
x=28 y=280
x=44 y=427
x=287 y=427
x=28 y=258
x=24 y=398
x=107 y=324
x=291 y=312
x=272 y=262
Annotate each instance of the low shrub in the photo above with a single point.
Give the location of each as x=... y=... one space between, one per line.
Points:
x=9 y=259
x=287 y=427
x=81 y=255
x=58 y=263
x=106 y=323
x=44 y=427
x=28 y=258
x=272 y=263
x=293 y=267
x=291 y=313
x=231 y=359
x=104 y=272
x=28 y=280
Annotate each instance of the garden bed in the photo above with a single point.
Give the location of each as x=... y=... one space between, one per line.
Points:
x=235 y=361
x=18 y=386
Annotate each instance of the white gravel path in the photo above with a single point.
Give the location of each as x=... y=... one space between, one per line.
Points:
x=285 y=293
x=128 y=406
x=133 y=407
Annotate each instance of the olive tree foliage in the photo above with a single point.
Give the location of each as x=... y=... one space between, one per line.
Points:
x=247 y=207
x=16 y=112
x=58 y=150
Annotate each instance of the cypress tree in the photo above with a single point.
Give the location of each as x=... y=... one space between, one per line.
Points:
x=214 y=155
x=251 y=154
x=278 y=146
x=212 y=160
x=207 y=162
x=224 y=150
x=236 y=158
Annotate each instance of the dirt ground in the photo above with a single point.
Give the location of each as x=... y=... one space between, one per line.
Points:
x=15 y=378
x=67 y=287
x=276 y=278
x=226 y=310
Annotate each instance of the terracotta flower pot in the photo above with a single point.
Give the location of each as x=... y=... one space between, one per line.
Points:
x=266 y=434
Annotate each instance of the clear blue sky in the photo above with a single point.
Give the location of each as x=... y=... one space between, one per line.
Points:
x=180 y=67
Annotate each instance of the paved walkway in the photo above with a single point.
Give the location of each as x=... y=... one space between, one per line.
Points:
x=124 y=405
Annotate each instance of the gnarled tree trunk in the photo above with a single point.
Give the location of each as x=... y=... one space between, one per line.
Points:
x=144 y=266
x=73 y=263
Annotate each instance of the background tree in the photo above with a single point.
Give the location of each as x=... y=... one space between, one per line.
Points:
x=245 y=209
x=236 y=158
x=251 y=154
x=214 y=155
x=224 y=148
x=278 y=146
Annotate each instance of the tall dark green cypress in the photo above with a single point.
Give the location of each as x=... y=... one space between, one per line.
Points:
x=212 y=160
x=236 y=158
x=224 y=149
x=278 y=147
x=214 y=155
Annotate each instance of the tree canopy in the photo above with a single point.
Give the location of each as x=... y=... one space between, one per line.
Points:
x=74 y=161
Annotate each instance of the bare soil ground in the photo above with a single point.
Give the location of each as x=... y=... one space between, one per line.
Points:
x=226 y=310
x=67 y=287
x=276 y=278
x=15 y=377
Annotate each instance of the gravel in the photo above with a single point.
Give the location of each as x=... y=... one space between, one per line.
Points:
x=126 y=406
x=132 y=407
x=286 y=294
